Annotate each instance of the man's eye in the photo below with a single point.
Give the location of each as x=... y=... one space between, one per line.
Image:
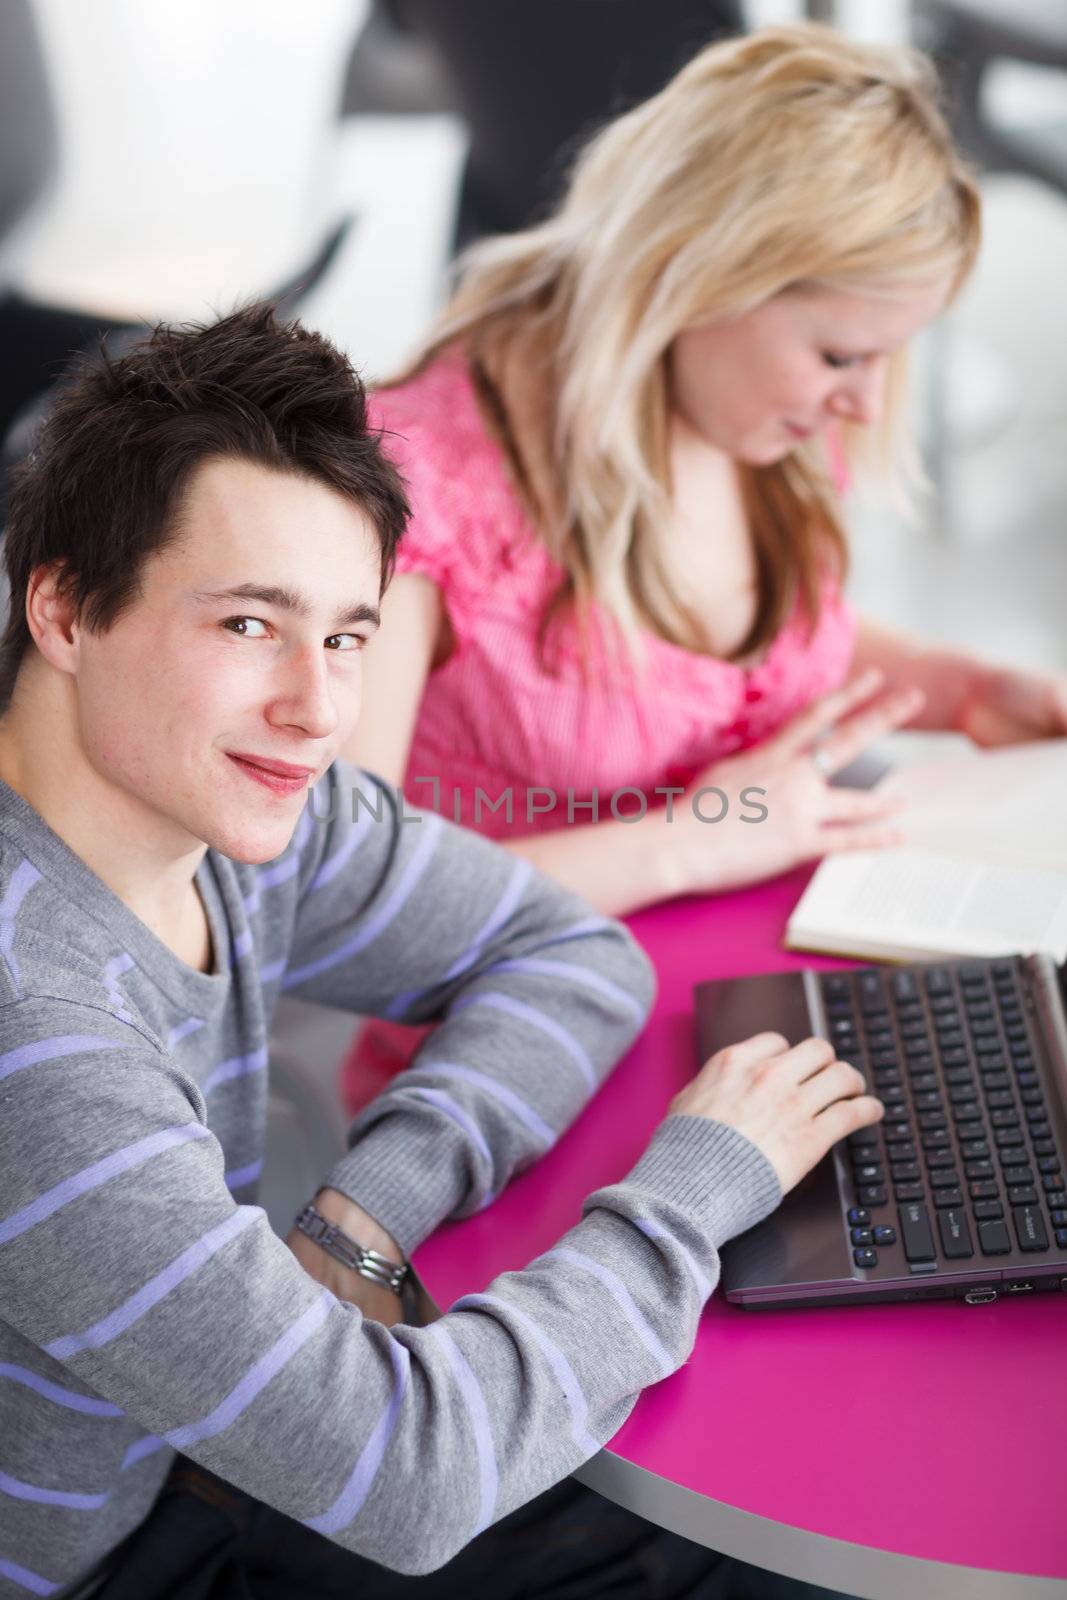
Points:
x=345 y=641
x=246 y=627
x=837 y=361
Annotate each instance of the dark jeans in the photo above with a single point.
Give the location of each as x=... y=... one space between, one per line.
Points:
x=205 y=1540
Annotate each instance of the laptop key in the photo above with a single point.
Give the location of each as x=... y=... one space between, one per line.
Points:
x=909 y=1191
x=945 y=1179
x=988 y=1210
x=861 y=1236
x=858 y=1217
x=1022 y=1194
x=984 y=1191
x=1030 y=1227
x=872 y=1195
x=943 y=1158
x=979 y=1169
x=915 y=1232
x=994 y=1238
x=885 y=1236
x=865 y=1258
x=948 y=1197
x=1052 y=1182
x=1059 y=1217
x=955 y=1234
x=1061 y=1238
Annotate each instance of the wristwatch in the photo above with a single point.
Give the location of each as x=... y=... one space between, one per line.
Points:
x=368 y=1263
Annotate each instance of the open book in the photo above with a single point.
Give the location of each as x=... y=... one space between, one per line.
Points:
x=983 y=871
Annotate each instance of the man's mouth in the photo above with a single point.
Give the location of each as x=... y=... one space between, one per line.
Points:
x=280 y=776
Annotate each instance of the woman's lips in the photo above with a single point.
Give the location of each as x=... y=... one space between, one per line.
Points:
x=278 y=776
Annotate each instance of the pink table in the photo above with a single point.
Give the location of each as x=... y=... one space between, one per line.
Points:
x=878 y=1450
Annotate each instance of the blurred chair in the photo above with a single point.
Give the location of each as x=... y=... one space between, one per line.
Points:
x=531 y=82
x=970 y=40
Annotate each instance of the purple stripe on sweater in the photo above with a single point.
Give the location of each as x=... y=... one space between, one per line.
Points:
x=469 y=1387
x=20 y=883
x=240 y=1176
x=241 y=945
x=50 y=1497
x=513 y=892
x=562 y=1370
x=653 y=1230
x=30 y=1581
x=357 y=835
x=453 y=1109
x=183 y=1030
x=112 y=972
x=273 y=970
x=625 y=1302
x=572 y=974
x=157 y=1288
x=578 y=930
x=70 y=1399
x=394 y=903
x=537 y=1019
x=499 y=1091
x=100 y=1172
x=243 y=1393
x=236 y=1067
x=54 y=1049
x=350 y=1501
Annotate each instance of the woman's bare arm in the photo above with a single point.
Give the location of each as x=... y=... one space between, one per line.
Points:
x=396 y=665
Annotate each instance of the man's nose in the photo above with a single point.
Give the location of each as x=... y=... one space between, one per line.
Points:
x=307 y=700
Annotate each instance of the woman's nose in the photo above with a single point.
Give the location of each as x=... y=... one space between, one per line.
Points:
x=859 y=397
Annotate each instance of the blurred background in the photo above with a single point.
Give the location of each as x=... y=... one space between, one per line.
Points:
x=169 y=160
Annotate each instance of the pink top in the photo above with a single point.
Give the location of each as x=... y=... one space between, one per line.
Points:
x=491 y=716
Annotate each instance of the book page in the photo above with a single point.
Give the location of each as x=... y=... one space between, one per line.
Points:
x=1007 y=805
x=904 y=903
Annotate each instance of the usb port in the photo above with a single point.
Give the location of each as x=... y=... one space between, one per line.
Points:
x=1021 y=1286
x=980 y=1297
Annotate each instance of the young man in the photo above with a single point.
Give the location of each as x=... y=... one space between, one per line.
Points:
x=197 y=551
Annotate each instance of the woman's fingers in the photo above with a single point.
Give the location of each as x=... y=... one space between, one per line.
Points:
x=837 y=838
x=860 y=805
x=855 y=733
x=821 y=716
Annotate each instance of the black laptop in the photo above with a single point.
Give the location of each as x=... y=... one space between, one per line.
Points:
x=961 y=1192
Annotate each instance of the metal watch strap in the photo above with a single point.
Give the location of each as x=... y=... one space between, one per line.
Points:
x=368 y=1263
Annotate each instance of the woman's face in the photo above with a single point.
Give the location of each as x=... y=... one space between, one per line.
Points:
x=754 y=386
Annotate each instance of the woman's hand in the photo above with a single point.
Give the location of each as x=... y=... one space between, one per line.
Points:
x=1006 y=706
x=806 y=817
x=792 y=1103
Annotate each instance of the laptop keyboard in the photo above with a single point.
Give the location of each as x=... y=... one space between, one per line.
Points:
x=964 y=1166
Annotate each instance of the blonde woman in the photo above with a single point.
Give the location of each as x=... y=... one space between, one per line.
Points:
x=625 y=443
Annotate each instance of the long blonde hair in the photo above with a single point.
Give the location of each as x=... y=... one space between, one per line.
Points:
x=790 y=157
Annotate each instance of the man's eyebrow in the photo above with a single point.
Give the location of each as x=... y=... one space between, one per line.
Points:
x=284 y=599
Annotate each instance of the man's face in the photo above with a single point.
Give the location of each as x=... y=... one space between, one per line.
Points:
x=230 y=683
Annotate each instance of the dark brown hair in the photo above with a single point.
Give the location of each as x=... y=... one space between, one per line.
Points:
x=100 y=489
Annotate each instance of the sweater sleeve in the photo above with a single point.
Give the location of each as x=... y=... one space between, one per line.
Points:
x=125 y=1260
x=402 y=914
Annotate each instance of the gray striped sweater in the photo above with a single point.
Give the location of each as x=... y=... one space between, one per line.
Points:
x=147 y=1307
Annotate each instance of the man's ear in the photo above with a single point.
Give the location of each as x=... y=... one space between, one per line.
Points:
x=51 y=617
